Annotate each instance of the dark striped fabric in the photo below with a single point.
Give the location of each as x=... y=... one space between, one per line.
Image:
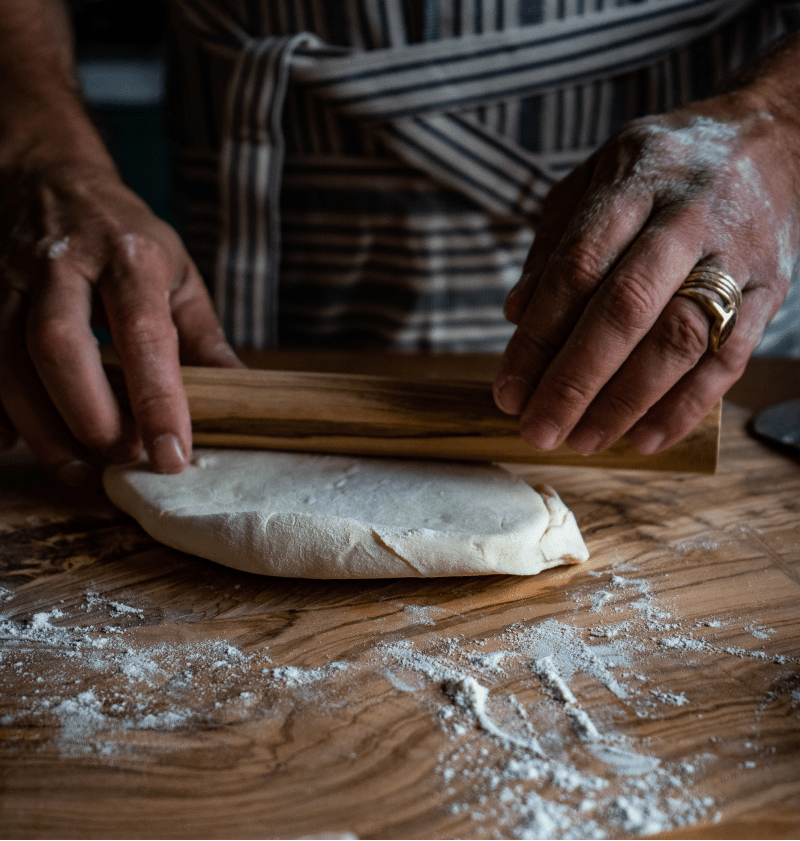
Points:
x=371 y=172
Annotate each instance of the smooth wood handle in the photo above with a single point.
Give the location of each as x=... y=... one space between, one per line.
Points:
x=371 y=415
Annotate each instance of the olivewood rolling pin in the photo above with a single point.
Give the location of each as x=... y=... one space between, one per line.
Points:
x=373 y=415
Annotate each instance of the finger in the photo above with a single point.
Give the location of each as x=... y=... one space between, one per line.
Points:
x=692 y=398
x=27 y=406
x=136 y=298
x=67 y=360
x=596 y=240
x=678 y=340
x=613 y=323
x=202 y=341
x=559 y=209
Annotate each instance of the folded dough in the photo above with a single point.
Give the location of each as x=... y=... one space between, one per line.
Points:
x=326 y=516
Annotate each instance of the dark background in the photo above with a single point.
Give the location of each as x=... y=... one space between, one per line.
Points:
x=120 y=52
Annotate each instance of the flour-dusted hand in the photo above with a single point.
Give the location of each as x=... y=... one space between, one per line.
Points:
x=77 y=247
x=603 y=347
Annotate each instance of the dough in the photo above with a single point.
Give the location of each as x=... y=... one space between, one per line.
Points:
x=326 y=516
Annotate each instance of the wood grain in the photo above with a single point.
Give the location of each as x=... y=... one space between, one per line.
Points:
x=232 y=705
x=377 y=415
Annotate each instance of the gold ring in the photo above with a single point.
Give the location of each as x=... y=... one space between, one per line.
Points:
x=719 y=296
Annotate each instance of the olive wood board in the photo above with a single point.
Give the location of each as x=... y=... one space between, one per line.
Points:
x=189 y=731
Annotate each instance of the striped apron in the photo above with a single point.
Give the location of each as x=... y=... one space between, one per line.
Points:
x=370 y=172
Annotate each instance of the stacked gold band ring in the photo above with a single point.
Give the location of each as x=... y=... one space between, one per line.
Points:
x=719 y=296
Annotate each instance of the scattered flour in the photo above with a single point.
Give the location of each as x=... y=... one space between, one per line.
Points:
x=520 y=756
x=582 y=724
x=760 y=633
x=675 y=699
x=547 y=671
x=568 y=653
x=699 y=545
x=291 y=676
x=424 y=614
x=471 y=696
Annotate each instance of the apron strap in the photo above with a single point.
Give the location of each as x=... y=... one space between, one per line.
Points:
x=413 y=95
x=454 y=74
x=251 y=168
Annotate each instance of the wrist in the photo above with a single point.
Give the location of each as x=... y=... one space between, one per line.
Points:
x=773 y=85
x=51 y=132
x=774 y=118
x=772 y=101
x=765 y=118
x=43 y=117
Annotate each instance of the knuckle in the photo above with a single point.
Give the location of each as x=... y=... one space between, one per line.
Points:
x=620 y=404
x=631 y=304
x=581 y=268
x=50 y=340
x=568 y=390
x=682 y=337
x=621 y=156
x=136 y=246
x=150 y=401
x=645 y=135
x=692 y=406
x=532 y=344
x=135 y=252
x=139 y=327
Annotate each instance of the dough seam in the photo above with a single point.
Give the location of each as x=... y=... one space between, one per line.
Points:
x=386 y=547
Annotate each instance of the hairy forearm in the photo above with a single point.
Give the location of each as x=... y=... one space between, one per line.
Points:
x=43 y=117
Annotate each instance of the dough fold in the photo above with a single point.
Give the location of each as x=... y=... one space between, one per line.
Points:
x=313 y=516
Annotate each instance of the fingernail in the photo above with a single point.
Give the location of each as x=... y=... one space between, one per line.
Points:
x=586 y=441
x=648 y=441
x=166 y=454
x=76 y=473
x=545 y=438
x=512 y=395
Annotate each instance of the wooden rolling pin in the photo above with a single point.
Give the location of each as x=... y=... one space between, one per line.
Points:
x=373 y=415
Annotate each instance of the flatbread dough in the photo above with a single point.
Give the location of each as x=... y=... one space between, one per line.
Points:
x=325 y=516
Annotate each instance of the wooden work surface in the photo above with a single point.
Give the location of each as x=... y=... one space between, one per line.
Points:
x=145 y=693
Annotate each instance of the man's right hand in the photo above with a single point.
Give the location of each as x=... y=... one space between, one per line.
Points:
x=78 y=248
